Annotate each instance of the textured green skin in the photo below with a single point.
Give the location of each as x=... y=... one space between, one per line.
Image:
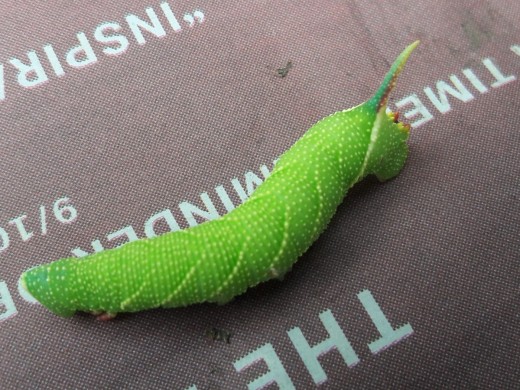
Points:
x=259 y=240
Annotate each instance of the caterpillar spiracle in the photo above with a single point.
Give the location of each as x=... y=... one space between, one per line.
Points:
x=259 y=240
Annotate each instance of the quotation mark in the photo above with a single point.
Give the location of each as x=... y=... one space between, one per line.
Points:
x=195 y=16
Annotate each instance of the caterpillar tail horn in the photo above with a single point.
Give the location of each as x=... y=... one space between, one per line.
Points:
x=380 y=98
x=388 y=149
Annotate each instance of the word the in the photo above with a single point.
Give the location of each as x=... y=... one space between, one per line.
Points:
x=266 y=355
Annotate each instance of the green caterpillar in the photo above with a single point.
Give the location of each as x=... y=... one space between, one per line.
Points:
x=259 y=240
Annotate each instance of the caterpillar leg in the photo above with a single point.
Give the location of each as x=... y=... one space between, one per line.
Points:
x=104 y=316
x=223 y=299
x=276 y=274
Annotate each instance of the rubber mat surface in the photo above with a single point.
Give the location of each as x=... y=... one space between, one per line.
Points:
x=128 y=119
